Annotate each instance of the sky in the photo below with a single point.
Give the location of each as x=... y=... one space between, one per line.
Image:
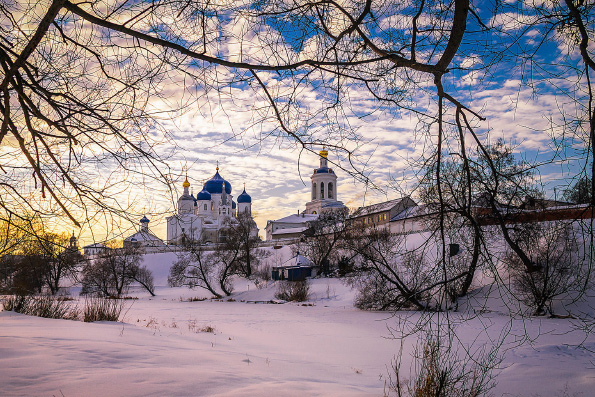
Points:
x=200 y=124
x=277 y=174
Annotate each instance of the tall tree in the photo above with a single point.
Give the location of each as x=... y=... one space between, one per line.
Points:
x=241 y=238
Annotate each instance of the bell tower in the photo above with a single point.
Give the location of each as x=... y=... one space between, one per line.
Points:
x=324 y=187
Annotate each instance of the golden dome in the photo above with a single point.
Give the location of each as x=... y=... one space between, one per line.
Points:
x=323 y=153
x=186 y=183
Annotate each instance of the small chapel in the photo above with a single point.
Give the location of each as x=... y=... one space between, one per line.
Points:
x=204 y=216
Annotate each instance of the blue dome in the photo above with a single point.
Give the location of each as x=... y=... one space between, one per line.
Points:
x=203 y=195
x=233 y=205
x=244 y=197
x=144 y=219
x=322 y=170
x=215 y=185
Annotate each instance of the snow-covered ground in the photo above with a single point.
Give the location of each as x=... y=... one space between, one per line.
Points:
x=325 y=347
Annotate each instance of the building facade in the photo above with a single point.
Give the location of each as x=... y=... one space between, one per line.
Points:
x=205 y=216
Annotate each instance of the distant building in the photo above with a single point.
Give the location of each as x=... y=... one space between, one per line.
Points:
x=380 y=215
x=289 y=227
x=323 y=199
x=144 y=238
x=94 y=249
x=204 y=217
x=324 y=188
x=296 y=268
x=413 y=219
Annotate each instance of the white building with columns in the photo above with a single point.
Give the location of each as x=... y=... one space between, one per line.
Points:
x=204 y=216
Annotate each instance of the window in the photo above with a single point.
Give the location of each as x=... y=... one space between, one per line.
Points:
x=330 y=190
x=205 y=207
x=384 y=216
x=314 y=191
x=322 y=190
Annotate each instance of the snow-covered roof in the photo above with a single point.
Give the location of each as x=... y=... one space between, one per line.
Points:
x=333 y=204
x=298 y=218
x=413 y=212
x=143 y=236
x=297 y=260
x=94 y=245
x=290 y=230
x=380 y=207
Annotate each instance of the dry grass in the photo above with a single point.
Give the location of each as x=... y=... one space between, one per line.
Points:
x=102 y=309
x=45 y=306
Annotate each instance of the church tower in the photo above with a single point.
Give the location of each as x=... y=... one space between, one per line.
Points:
x=186 y=201
x=324 y=188
x=245 y=203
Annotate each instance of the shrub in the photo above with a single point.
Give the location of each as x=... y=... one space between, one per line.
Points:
x=559 y=268
x=102 y=309
x=439 y=371
x=41 y=306
x=293 y=291
x=261 y=276
x=381 y=287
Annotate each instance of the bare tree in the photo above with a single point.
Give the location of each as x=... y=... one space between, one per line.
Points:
x=581 y=192
x=63 y=260
x=561 y=267
x=114 y=271
x=196 y=267
x=387 y=276
x=324 y=239
x=83 y=79
x=242 y=239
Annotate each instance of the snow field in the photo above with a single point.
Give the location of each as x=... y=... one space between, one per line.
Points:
x=170 y=345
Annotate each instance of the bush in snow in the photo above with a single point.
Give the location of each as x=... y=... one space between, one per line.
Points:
x=559 y=268
x=41 y=306
x=438 y=370
x=293 y=291
x=261 y=276
x=102 y=309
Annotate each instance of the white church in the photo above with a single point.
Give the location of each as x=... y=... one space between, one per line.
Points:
x=203 y=217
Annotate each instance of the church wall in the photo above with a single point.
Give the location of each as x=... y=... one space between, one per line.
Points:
x=184 y=225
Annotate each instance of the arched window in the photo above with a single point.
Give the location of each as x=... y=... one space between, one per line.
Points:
x=313 y=191
x=205 y=207
x=322 y=190
x=330 y=190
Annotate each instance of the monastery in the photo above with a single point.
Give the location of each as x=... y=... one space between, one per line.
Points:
x=200 y=218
